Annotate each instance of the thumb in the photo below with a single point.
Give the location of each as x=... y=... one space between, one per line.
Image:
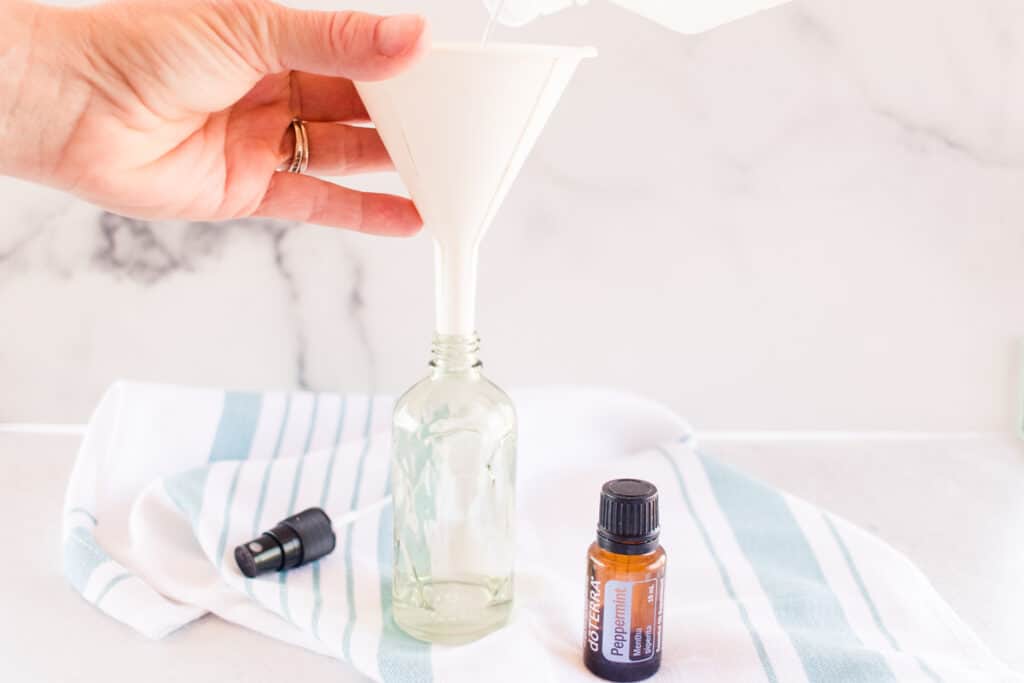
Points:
x=351 y=44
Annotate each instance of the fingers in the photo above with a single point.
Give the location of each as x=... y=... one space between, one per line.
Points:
x=352 y=44
x=311 y=200
x=326 y=98
x=336 y=149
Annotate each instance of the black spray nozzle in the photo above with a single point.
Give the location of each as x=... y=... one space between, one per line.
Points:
x=299 y=539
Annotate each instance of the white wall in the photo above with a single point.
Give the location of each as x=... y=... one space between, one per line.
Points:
x=813 y=218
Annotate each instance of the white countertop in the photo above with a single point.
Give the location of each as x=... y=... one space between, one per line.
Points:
x=918 y=494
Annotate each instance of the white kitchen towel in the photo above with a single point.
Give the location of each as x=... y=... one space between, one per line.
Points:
x=761 y=586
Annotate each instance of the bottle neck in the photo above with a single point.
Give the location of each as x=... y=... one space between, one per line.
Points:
x=631 y=546
x=455 y=353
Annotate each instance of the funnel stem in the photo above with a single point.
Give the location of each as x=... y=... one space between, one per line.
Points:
x=455 y=291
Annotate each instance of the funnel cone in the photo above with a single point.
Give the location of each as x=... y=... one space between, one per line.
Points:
x=459 y=125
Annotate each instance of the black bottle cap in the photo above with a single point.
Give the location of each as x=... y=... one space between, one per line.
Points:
x=628 y=518
x=297 y=540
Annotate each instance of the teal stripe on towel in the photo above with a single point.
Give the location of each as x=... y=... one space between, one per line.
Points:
x=318 y=598
x=350 y=588
x=229 y=500
x=84 y=512
x=264 y=485
x=400 y=657
x=875 y=614
x=239 y=414
x=297 y=481
x=261 y=501
x=82 y=554
x=186 y=491
x=110 y=585
x=282 y=577
x=793 y=582
x=334 y=453
x=755 y=637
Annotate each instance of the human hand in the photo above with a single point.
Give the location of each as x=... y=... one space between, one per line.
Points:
x=183 y=109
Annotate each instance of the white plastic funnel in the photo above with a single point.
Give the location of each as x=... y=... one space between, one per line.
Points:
x=459 y=125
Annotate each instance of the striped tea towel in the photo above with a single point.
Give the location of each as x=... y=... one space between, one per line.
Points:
x=760 y=587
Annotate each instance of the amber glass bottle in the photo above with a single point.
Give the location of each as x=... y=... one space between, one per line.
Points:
x=625 y=584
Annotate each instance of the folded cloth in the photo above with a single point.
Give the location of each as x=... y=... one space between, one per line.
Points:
x=761 y=586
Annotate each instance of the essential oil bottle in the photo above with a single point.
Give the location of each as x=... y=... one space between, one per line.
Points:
x=625 y=584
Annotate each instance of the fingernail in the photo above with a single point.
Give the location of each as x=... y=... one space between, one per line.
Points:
x=397 y=34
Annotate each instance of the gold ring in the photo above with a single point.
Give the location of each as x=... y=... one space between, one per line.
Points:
x=300 y=157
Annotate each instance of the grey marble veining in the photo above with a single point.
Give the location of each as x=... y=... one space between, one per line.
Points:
x=808 y=219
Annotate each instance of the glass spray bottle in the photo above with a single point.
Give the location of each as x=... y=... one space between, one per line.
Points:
x=453 y=481
x=453 y=476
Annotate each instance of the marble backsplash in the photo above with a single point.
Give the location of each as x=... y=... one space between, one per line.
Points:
x=810 y=219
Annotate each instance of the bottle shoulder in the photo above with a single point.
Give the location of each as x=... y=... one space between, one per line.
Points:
x=614 y=566
x=467 y=395
x=456 y=387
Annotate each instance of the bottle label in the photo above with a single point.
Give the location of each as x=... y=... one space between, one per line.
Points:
x=631 y=620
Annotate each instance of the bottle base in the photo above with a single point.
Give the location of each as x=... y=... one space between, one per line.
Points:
x=622 y=672
x=458 y=612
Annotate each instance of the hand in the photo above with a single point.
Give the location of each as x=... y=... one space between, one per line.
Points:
x=182 y=109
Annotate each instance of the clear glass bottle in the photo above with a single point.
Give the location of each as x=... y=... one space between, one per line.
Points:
x=453 y=481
